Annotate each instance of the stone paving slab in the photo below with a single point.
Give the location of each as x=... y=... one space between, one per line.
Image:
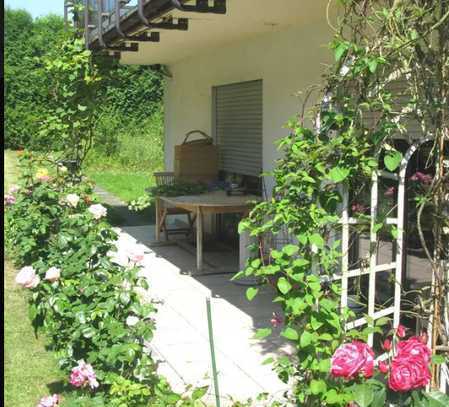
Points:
x=181 y=340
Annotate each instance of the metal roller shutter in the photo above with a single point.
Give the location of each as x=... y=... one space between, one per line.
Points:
x=237 y=113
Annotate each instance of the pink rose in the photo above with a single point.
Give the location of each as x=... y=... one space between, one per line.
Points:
x=83 y=375
x=425 y=179
x=9 y=200
x=50 y=401
x=351 y=359
x=276 y=320
x=27 y=277
x=358 y=208
x=53 y=274
x=414 y=347
x=408 y=373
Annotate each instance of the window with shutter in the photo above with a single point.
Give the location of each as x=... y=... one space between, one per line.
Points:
x=237 y=113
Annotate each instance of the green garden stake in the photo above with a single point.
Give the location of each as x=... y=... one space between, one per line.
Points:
x=212 y=351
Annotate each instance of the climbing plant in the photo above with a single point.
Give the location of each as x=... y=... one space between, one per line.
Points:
x=390 y=75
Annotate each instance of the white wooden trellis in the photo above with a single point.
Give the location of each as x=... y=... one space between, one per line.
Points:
x=374 y=268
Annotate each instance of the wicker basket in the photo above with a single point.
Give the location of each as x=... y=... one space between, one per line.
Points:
x=196 y=160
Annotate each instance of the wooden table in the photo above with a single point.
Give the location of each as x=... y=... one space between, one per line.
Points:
x=216 y=202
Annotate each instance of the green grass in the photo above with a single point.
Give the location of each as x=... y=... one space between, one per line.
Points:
x=127 y=185
x=29 y=369
x=126 y=154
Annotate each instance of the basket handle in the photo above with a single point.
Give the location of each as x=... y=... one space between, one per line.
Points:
x=206 y=137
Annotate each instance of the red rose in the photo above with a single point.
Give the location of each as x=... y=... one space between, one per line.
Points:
x=387 y=345
x=414 y=347
x=408 y=373
x=400 y=331
x=351 y=359
x=383 y=367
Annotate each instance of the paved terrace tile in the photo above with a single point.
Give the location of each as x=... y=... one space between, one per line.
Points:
x=181 y=341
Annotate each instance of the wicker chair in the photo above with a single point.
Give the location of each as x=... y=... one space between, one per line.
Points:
x=168 y=178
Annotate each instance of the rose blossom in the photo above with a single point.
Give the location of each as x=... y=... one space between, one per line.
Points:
x=9 y=200
x=13 y=189
x=353 y=358
x=50 y=401
x=408 y=373
x=27 y=277
x=400 y=331
x=383 y=367
x=358 y=208
x=421 y=177
x=276 y=320
x=97 y=211
x=53 y=274
x=386 y=344
x=72 y=200
x=132 y=320
x=83 y=375
x=413 y=347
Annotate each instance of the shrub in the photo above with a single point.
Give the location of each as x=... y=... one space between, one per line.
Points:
x=87 y=293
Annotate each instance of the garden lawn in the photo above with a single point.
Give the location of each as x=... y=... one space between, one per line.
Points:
x=127 y=185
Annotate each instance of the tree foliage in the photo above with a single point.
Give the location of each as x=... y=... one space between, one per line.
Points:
x=134 y=92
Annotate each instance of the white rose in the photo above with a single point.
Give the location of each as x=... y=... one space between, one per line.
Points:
x=132 y=320
x=27 y=277
x=72 y=200
x=63 y=168
x=53 y=274
x=97 y=211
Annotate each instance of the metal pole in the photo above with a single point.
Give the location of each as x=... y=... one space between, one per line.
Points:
x=212 y=352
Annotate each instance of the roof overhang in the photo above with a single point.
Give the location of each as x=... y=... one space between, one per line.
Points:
x=225 y=22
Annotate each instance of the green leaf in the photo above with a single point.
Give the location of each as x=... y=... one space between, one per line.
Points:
x=379 y=398
x=438 y=359
x=324 y=365
x=317 y=240
x=392 y=160
x=290 y=333
x=199 y=392
x=318 y=386
x=372 y=65
x=262 y=333
x=283 y=285
x=290 y=249
x=340 y=50
x=306 y=339
x=338 y=174
x=437 y=399
x=363 y=395
x=251 y=292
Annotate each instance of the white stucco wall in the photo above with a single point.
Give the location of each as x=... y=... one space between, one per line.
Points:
x=288 y=61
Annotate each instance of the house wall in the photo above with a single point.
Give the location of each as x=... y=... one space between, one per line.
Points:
x=287 y=61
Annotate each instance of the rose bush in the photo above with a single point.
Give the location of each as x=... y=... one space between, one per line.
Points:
x=94 y=311
x=399 y=380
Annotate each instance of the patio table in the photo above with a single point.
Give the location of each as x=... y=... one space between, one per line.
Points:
x=216 y=202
